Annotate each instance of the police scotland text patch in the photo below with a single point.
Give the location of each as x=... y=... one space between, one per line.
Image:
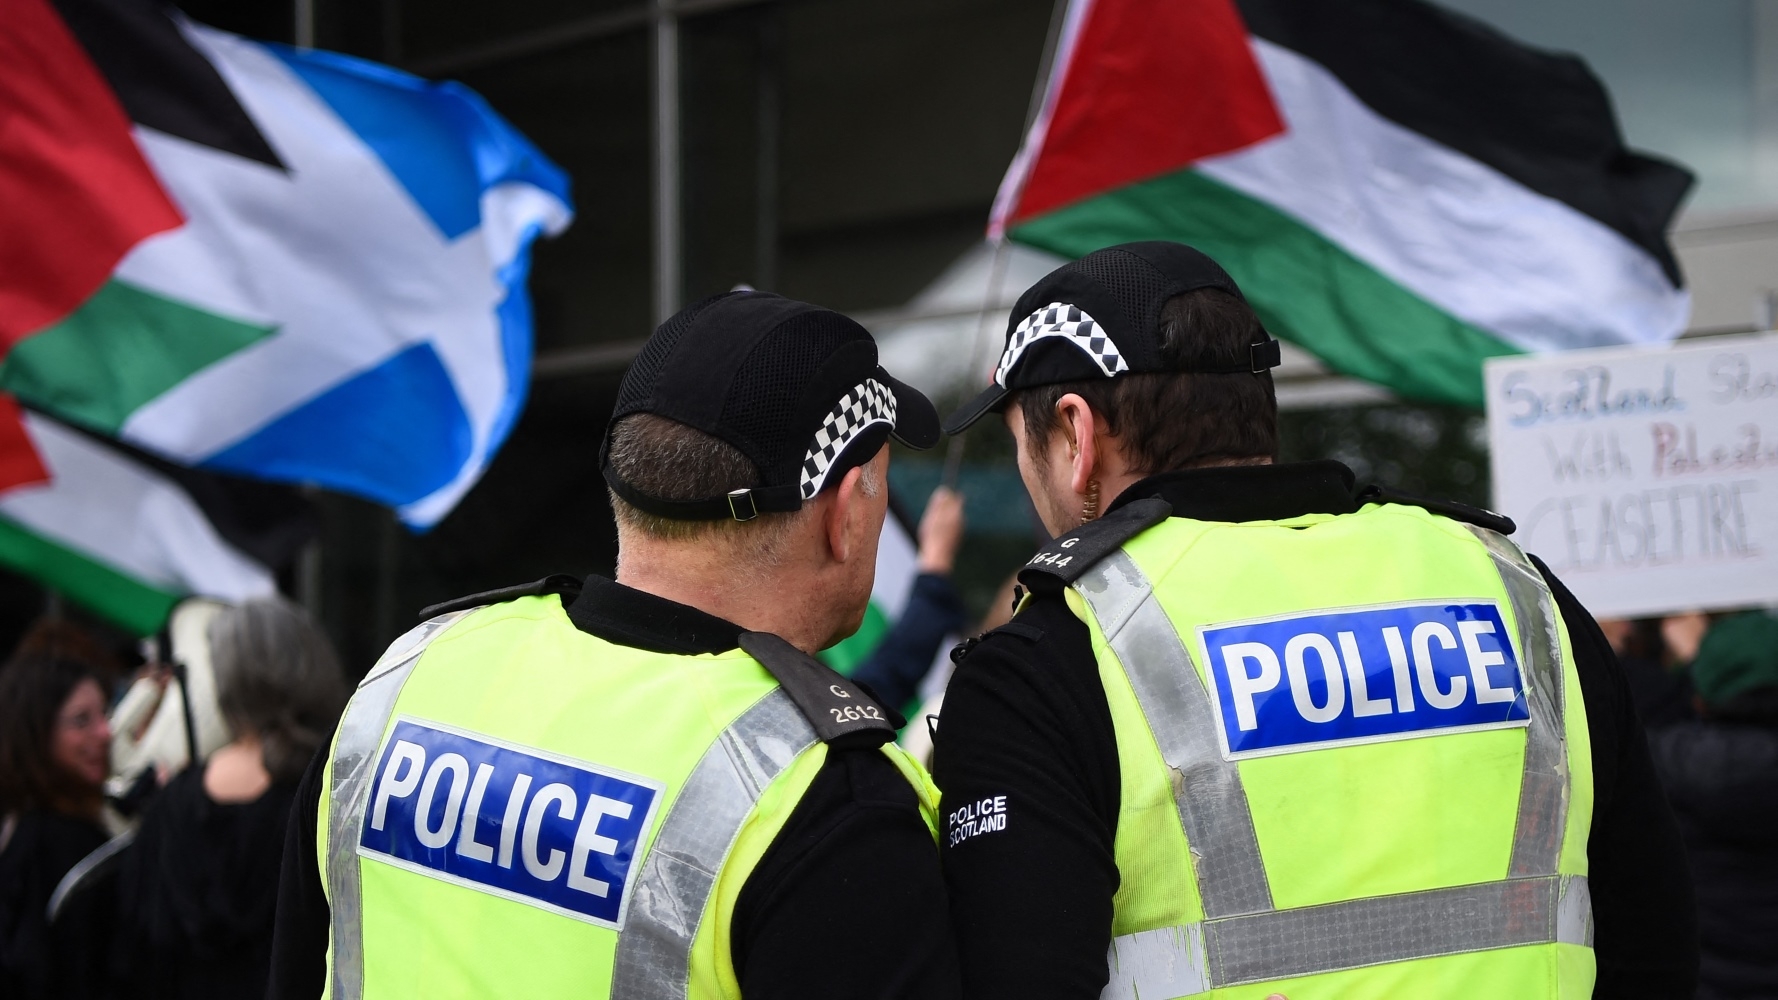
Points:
x=523 y=824
x=1362 y=675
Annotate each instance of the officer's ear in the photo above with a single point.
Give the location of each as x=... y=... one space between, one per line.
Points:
x=1081 y=429
x=838 y=524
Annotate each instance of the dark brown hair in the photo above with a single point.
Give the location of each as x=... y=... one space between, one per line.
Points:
x=33 y=689
x=62 y=638
x=1178 y=420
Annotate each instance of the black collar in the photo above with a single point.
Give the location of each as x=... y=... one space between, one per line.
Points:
x=1250 y=492
x=630 y=617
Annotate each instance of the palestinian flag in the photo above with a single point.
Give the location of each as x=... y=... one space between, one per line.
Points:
x=1399 y=189
x=128 y=536
x=291 y=265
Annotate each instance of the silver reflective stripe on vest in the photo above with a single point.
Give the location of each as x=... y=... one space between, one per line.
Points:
x=1543 y=792
x=654 y=949
x=354 y=760
x=1243 y=938
x=1211 y=800
x=1574 y=912
x=1262 y=947
x=1159 y=964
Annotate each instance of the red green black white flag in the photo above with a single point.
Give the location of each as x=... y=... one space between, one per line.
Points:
x=287 y=264
x=127 y=535
x=1399 y=189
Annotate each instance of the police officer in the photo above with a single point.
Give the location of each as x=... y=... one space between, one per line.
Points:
x=647 y=787
x=1253 y=730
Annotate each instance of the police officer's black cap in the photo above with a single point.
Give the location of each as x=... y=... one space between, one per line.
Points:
x=1100 y=317
x=794 y=387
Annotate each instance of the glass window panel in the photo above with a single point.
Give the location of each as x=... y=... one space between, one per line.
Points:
x=898 y=121
x=726 y=125
x=437 y=30
x=587 y=108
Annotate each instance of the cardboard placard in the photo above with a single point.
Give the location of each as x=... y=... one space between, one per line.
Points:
x=1647 y=478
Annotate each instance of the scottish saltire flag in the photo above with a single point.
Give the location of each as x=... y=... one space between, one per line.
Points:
x=296 y=266
x=1399 y=189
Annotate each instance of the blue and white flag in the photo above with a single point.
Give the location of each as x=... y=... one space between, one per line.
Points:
x=343 y=300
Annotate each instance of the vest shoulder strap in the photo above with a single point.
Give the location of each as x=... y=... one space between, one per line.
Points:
x=1067 y=558
x=1444 y=508
x=844 y=716
x=559 y=583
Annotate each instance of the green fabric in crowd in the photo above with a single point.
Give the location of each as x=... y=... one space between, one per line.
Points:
x=1738 y=655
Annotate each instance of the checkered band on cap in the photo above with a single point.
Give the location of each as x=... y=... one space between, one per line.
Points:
x=869 y=403
x=1059 y=319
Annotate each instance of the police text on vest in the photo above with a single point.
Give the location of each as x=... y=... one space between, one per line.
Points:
x=1362 y=675
x=519 y=823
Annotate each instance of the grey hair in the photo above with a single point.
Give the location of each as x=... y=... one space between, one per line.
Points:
x=667 y=459
x=277 y=677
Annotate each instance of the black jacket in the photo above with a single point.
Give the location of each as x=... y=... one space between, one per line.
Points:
x=197 y=892
x=1722 y=779
x=66 y=960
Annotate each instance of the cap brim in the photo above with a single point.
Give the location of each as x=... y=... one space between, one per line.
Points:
x=991 y=400
x=916 y=420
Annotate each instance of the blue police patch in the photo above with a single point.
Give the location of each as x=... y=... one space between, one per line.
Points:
x=519 y=823
x=1362 y=675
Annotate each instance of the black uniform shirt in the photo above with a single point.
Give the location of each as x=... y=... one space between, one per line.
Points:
x=847 y=902
x=1025 y=718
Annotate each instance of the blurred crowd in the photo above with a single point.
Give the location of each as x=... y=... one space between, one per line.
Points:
x=1707 y=689
x=143 y=808
x=125 y=869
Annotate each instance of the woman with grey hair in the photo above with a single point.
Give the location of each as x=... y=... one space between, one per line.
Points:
x=199 y=888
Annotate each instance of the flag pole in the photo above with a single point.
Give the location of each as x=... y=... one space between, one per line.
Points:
x=308 y=564
x=664 y=96
x=997 y=269
x=990 y=299
x=302 y=28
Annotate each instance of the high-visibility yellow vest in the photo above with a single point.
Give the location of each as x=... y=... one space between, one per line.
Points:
x=1354 y=758
x=520 y=809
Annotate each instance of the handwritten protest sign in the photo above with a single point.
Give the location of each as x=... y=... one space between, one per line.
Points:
x=1646 y=478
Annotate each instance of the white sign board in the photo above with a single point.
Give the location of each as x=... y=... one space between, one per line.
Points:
x=1646 y=478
